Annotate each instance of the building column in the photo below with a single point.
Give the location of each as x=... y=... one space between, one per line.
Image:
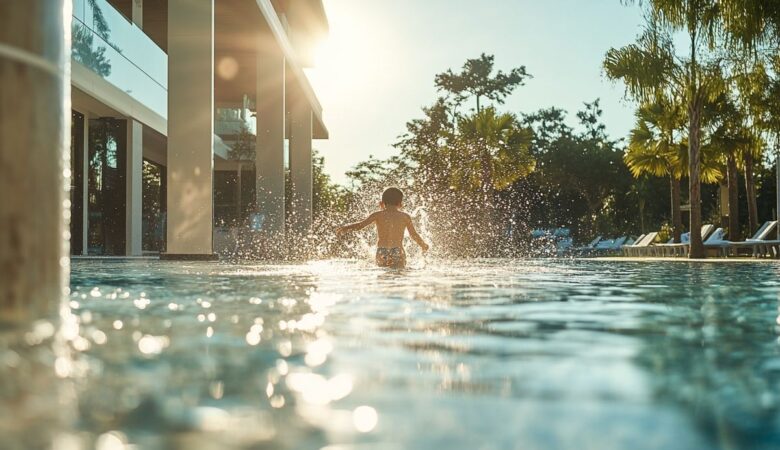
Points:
x=301 y=165
x=269 y=155
x=190 y=129
x=134 y=191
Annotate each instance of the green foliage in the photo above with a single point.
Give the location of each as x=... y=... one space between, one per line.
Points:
x=580 y=180
x=493 y=151
x=476 y=79
x=243 y=147
x=327 y=196
x=655 y=144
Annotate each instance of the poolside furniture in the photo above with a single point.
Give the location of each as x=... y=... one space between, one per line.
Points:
x=585 y=249
x=563 y=245
x=590 y=246
x=630 y=243
x=717 y=243
x=640 y=247
x=609 y=246
x=758 y=244
x=681 y=248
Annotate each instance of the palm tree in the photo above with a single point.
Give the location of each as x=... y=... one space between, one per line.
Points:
x=754 y=85
x=655 y=148
x=741 y=24
x=726 y=138
x=493 y=151
x=651 y=66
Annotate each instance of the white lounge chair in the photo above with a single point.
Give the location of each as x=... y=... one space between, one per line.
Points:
x=630 y=244
x=641 y=245
x=758 y=244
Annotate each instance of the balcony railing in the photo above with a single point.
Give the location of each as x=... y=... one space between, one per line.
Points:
x=228 y=122
x=109 y=45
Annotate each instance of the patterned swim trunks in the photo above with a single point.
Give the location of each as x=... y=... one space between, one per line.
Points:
x=390 y=257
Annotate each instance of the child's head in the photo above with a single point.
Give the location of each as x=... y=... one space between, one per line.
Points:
x=392 y=197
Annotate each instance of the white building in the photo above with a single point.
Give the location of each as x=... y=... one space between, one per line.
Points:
x=160 y=92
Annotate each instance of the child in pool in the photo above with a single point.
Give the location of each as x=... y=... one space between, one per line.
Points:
x=391 y=223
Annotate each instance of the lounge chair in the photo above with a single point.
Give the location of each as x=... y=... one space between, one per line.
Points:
x=682 y=248
x=758 y=244
x=630 y=244
x=609 y=246
x=716 y=242
x=585 y=249
x=641 y=245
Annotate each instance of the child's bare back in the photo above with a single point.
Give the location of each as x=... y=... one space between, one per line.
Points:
x=391 y=225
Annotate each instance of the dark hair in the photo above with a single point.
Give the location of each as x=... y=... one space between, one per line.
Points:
x=392 y=197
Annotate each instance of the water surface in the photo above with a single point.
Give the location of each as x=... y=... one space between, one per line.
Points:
x=478 y=354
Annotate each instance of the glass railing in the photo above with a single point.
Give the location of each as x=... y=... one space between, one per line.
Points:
x=230 y=121
x=108 y=44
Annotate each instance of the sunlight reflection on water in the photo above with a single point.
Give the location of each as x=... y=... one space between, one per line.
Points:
x=467 y=354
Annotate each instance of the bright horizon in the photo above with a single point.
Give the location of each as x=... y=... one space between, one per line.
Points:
x=375 y=71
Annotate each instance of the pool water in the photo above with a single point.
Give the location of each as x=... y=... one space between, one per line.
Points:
x=473 y=354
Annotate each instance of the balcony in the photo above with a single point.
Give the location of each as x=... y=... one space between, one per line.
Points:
x=228 y=122
x=107 y=44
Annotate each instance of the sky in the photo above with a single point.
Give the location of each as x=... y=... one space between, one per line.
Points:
x=376 y=69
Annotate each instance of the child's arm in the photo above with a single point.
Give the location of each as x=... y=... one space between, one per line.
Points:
x=357 y=225
x=413 y=234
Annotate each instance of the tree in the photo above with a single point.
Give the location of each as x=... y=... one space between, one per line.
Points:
x=494 y=152
x=655 y=148
x=476 y=80
x=753 y=84
x=327 y=196
x=426 y=145
x=579 y=180
x=729 y=139
x=651 y=66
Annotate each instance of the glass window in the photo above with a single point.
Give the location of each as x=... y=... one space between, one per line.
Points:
x=154 y=207
x=225 y=197
x=106 y=186
x=231 y=207
x=76 y=183
x=105 y=42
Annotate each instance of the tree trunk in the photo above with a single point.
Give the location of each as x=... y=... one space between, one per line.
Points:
x=694 y=141
x=750 y=192
x=676 y=216
x=731 y=178
x=694 y=185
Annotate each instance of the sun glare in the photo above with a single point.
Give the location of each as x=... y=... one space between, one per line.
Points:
x=323 y=52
